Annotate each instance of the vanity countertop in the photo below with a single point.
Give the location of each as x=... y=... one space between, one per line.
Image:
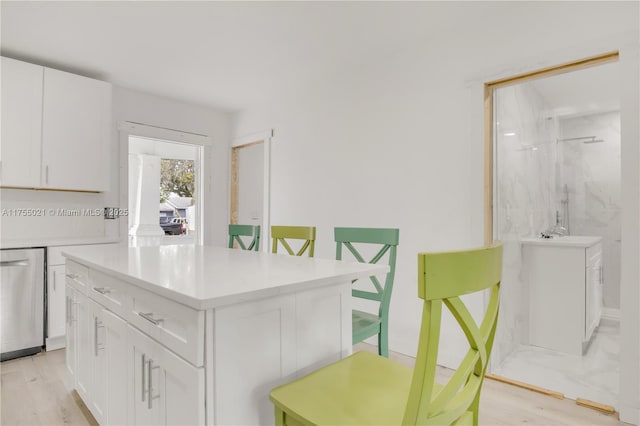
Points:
x=204 y=277
x=567 y=241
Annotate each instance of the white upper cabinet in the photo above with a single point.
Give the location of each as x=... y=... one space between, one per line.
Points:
x=21 y=123
x=76 y=115
x=55 y=129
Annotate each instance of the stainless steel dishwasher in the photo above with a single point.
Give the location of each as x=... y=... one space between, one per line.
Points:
x=21 y=302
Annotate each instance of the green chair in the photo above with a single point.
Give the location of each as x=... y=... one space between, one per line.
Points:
x=367 y=389
x=280 y=234
x=236 y=232
x=364 y=324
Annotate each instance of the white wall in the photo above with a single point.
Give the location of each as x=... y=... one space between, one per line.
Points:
x=151 y=110
x=399 y=143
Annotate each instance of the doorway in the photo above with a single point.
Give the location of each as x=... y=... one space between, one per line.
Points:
x=553 y=192
x=250 y=183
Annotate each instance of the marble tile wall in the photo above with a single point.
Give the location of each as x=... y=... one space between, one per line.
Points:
x=591 y=173
x=525 y=199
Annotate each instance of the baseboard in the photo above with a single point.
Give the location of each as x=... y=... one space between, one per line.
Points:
x=629 y=414
x=53 y=343
x=611 y=314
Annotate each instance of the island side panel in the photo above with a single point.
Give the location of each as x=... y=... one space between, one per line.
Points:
x=262 y=344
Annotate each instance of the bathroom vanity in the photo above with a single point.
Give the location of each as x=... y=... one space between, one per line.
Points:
x=565 y=279
x=200 y=335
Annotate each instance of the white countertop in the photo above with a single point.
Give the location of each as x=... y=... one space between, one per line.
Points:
x=55 y=242
x=204 y=277
x=567 y=241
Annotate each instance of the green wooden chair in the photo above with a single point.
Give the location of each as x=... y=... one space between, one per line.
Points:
x=236 y=232
x=280 y=234
x=365 y=324
x=367 y=389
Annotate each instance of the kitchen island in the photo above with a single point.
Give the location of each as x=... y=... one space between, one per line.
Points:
x=200 y=335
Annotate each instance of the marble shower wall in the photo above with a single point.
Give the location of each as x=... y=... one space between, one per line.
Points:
x=525 y=205
x=591 y=172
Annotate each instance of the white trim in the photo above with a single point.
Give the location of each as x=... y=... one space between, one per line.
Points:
x=629 y=414
x=253 y=137
x=611 y=314
x=143 y=130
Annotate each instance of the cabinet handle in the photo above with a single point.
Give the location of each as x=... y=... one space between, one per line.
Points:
x=144 y=365
x=72 y=302
x=149 y=317
x=54 y=281
x=72 y=276
x=46 y=174
x=96 y=325
x=68 y=312
x=102 y=290
x=149 y=373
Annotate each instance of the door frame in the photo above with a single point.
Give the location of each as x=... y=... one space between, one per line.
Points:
x=264 y=137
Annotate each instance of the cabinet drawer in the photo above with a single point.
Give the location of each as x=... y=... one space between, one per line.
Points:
x=109 y=292
x=593 y=254
x=176 y=326
x=77 y=275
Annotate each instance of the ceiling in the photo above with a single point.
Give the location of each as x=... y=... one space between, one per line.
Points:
x=232 y=55
x=228 y=55
x=583 y=92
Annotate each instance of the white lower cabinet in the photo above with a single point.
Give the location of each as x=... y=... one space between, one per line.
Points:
x=123 y=375
x=166 y=389
x=70 y=336
x=55 y=306
x=115 y=368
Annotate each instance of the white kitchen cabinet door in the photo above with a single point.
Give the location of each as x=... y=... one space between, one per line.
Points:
x=82 y=322
x=115 y=329
x=98 y=383
x=56 y=313
x=71 y=354
x=166 y=389
x=268 y=324
x=75 y=132
x=21 y=123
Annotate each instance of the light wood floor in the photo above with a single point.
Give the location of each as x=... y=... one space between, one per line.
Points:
x=33 y=392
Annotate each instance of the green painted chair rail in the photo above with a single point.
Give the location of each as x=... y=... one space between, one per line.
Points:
x=365 y=324
x=366 y=389
x=280 y=235
x=236 y=232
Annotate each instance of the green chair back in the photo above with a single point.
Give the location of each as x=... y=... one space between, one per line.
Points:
x=442 y=279
x=280 y=235
x=385 y=240
x=236 y=232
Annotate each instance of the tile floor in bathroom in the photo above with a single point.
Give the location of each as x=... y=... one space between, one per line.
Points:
x=593 y=376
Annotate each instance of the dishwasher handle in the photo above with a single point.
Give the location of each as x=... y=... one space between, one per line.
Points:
x=21 y=262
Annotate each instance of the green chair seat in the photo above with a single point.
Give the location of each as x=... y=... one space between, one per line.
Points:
x=364 y=325
x=326 y=396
